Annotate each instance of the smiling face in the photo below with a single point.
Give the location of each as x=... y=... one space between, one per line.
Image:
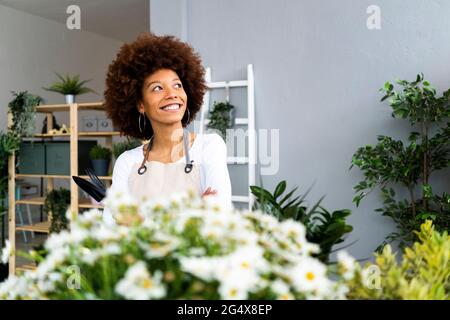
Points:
x=163 y=97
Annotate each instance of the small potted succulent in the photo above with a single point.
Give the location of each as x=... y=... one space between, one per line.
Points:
x=100 y=157
x=70 y=87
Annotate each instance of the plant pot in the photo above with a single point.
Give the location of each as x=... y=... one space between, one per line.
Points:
x=100 y=166
x=70 y=98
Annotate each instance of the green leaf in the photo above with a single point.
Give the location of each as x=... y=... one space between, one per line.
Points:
x=279 y=189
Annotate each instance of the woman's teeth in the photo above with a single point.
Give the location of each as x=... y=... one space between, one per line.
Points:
x=171 y=107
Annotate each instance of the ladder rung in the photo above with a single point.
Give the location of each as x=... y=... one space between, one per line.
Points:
x=237 y=160
x=236 y=121
x=240 y=198
x=230 y=84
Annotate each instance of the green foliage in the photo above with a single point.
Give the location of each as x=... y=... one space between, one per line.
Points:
x=322 y=227
x=70 y=85
x=100 y=153
x=423 y=272
x=392 y=163
x=9 y=143
x=220 y=118
x=23 y=111
x=56 y=203
x=121 y=147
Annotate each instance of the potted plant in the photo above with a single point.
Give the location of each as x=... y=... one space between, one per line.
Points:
x=221 y=117
x=393 y=163
x=121 y=147
x=23 y=111
x=70 y=87
x=322 y=227
x=56 y=204
x=100 y=157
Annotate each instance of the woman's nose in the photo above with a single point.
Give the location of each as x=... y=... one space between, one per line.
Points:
x=171 y=94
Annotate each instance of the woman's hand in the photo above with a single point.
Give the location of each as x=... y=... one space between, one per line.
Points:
x=209 y=192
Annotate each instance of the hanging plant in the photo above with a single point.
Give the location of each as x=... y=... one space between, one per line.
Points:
x=56 y=203
x=221 y=117
x=23 y=111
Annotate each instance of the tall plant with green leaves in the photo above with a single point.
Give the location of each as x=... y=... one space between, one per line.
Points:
x=322 y=227
x=394 y=163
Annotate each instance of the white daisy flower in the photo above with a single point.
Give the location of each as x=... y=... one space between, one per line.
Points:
x=348 y=263
x=138 y=284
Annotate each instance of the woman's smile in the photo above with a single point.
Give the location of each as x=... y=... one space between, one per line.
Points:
x=173 y=108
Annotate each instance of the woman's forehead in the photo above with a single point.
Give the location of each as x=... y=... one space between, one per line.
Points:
x=162 y=75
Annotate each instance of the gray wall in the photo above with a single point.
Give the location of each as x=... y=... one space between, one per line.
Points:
x=33 y=48
x=317 y=74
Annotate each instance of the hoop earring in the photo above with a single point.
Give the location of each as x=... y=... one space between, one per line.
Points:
x=139 y=122
x=189 y=117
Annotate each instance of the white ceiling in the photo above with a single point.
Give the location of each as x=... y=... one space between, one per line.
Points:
x=118 y=19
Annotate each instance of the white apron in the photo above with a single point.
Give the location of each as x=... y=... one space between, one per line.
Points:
x=155 y=179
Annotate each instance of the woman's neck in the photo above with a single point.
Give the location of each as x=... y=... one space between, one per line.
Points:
x=165 y=138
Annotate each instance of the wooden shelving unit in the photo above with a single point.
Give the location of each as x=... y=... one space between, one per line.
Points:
x=75 y=204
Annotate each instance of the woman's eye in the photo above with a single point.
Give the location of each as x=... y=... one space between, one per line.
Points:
x=178 y=85
x=157 y=88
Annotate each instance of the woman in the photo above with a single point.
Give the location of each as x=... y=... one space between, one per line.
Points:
x=154 y=89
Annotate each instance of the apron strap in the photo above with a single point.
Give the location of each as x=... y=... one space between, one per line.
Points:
x=188 y=168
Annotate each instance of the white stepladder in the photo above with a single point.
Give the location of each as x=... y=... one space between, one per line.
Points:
x=249 y=160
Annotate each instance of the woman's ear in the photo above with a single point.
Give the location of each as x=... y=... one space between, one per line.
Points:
x=140 y=107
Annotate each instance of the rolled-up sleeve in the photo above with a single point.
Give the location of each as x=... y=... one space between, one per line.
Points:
x=214 y=171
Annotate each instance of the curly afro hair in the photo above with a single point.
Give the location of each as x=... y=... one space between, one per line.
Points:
x=134 y=63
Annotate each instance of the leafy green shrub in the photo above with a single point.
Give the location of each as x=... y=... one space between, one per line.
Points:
x=99 y=153
x=423 y=273
x=322 y=227
x=391 y=163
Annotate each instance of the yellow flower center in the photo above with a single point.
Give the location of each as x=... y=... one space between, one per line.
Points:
x=147 y=284
x=310 y=276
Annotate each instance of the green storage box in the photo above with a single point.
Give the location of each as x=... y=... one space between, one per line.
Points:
x=58 y=157
x=32 y=158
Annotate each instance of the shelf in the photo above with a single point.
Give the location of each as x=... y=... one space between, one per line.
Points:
x=34 y=201
x=43 y=227
x=26 y=267
x=80 y=134
x=237 y=160
x=237 y=121
x=66 y=107
x=83 y=203
x=86 y=204
x=24 y=176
